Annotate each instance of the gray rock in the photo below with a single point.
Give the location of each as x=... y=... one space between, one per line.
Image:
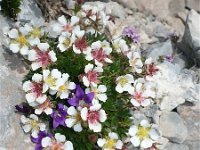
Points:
x=173 y=127
x=173 y=146
x=193 y=4
x=193 y=145
x=160 y=49
x=191 y=116
x=30 y=12
x=151 y=110
x=127 y=3
x=12 y=71
x=190 y=44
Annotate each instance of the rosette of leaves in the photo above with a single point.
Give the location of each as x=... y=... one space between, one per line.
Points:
x=10 y=8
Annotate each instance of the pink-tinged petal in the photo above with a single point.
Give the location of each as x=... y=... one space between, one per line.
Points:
x=96 y=127
x=102 y=116
x=88 y=68
x=52 y=56
x=35 y=66
x=30 y=97
x=135 y=103
x=86 y=81
x=27 y=86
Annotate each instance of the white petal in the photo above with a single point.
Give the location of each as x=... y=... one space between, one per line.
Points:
x=46 y=73
x=102 y=97
x=119 y=144
x=108 y=60
x=70 y=122
x=38 y=111
x=95 y=127
x=14 y=48
x=154 y=134
x=52 y=55
x=119 y=88
x=34 y=117
x=146 y=102
x=24 y=50
x=27 y=128
x=74 y=20
x=135 y=103
x=43 y=46
x=148 y=61
x=133 y=130
x=86 y=82
x=84 y=113
x=64 y=95
x=145 y=123
x=41 y=99
x=24 y=120
x=37 y=77
x=48 y=111
x=30 y=97
x=55 y=73
x=13 y=33
x=88 y=67
x=60 y=138
x=68 y=146
x=46 y=142
x=102 y=88
x=42 y=127
x=101 y=142
x=78 y=127
x=113 y=135
x=135 y=141
x=35 y=65
x=72 y=111
x=62 y=20
x=32 y=55
x=27 y=86
x=72 y=85
x=102 y=116
x=146 y=143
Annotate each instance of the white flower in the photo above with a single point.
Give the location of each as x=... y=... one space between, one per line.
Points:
x=35 y=33
x=99 y=92
x=50 y=78
x=91 y=75
x=143 y=135
x=41 y=56
x=18 y=42
x=120 y=45
x=94 y=116
x=65 y=25
x=80 y=45
x=124 y=83
x=63 y=86
x=100 y=53
x=65 y=41
x=73 y=119
x=135 y=61
x=142 y=94
x=57 y=142
x=32 y=124
x=111 y=142
x=45 y=107
x=34 y=89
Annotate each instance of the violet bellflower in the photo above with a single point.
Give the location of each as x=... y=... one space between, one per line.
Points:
x=59 y=116
x=132 y=34
x=38 y=140
x=81 y=98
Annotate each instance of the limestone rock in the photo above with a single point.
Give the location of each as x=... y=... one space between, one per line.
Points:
x=191 y=116
x=193 y=145
x=173 y=146
x=173 y=127
x=30 y=12
x=190 y=44
x=193 y=4
x=131 y=4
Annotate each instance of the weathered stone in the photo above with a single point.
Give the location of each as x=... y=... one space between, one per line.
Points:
x=190 y=44
x=12 y=71
x=30 y=12
x=173 y=146
x=161 y=49
x=193 y=145
x=127 y=3
x=173 y=127
x=191 y=116
x=193 y=4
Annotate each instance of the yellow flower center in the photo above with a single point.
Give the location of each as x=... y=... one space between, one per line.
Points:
x=34 y=124
x=66 y=42
x=62 y=88
x=123 y=81
x=22 y=41
x=110 y=144
x=116 y=46
x=51 y=81
x=143 y=132
x=36 y=32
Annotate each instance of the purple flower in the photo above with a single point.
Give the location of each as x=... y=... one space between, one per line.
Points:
x=169 y=58
x=59 y=116
x=23 y=108
x=38 y=140
x=81 y=98
x=132 y=34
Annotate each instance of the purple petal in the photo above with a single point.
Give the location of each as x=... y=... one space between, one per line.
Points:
x=23 y=108
x=38 y=147
x=89 y=97
x=79 y=92
x=55 y=124
x=74 y=101
x=60 y=106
